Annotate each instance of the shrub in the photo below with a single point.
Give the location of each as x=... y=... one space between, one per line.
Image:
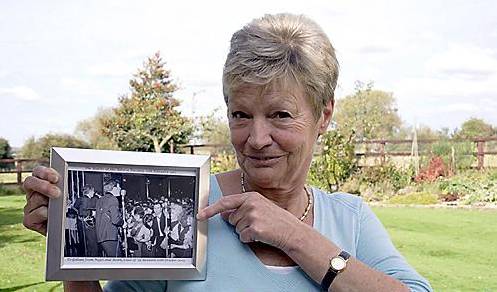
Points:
x=335 y=163
x=9 y=191
x=379 y=182
x=471 y=187
x=417 y=198
x=224 y=161
x=449 y=197
x=435 y=169
x=399 y=178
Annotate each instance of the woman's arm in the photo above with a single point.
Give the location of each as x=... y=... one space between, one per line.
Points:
x=377 y=261
x=185 y=245
x=258 y=219
x=39 y=187
x=312 y=252
x=178 y=246
x=145 y=234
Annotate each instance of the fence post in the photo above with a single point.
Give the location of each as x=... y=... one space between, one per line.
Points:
x=382 y=152
x=18 y=164
x=171 y=147
x=480 y=146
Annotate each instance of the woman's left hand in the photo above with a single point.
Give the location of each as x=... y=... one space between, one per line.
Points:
x=255 y=218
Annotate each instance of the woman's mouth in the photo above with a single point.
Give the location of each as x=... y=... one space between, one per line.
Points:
x=264 y=160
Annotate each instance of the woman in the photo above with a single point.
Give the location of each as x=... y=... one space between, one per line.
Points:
x=277 y=234
x=141 y=233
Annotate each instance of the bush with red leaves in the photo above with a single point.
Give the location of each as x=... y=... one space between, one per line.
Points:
x=449 y=197
x=435 y=169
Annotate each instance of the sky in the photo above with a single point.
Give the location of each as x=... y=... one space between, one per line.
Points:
x=62 y=60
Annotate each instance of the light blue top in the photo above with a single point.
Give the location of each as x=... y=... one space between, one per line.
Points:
x=232 y=266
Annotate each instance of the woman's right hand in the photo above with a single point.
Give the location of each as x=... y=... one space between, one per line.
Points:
x=39 y=187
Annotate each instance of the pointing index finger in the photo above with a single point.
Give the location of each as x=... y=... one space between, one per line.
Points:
x=226 y=203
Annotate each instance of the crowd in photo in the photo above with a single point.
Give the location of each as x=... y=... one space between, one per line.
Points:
x=159 y=228
x=118 y=223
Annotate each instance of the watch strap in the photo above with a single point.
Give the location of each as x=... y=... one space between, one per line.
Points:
x=332 y=273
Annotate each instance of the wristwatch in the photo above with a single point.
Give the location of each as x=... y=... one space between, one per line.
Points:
x=337 y=265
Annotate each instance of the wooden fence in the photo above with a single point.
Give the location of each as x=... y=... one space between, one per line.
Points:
x=378 y=148
x=374 y=148
x=20 y=166
x=480 y=144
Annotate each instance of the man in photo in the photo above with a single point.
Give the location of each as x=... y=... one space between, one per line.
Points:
x=173 y=220
x=113 y=187
x=182 y=234
x=86 y=208
x=108 y=220
x=159 y=234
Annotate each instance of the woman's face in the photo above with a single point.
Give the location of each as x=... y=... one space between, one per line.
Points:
x=273 y=131
x=137 y=217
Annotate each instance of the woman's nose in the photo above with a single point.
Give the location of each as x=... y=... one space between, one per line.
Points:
x=260 y=134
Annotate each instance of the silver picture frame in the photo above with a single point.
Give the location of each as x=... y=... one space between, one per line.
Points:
x=181 y=173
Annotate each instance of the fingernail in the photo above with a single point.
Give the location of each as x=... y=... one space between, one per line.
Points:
x=54 y=178
x=55 y=192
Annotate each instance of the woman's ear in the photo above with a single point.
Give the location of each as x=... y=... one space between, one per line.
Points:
x=325 y=119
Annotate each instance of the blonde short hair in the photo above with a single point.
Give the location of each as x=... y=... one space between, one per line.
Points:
x=283 y=47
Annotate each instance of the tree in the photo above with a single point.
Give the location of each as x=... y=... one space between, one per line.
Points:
x=5 y=150
x=5 y=153
x=475 y=127
x=372 y=114
x=215 y=130
x=147 y=118
x=91 y=130
x=40 y=148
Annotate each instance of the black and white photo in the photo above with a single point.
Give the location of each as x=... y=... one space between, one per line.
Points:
x=128 y=211
x=129 y=215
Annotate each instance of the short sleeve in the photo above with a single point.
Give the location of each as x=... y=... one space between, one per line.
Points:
x=375 y=249
x=135 y=286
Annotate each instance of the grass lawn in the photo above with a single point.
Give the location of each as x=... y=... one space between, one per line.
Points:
x=455 y=249
x=22 y=251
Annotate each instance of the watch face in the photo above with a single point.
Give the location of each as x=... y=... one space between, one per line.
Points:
x=338 y=263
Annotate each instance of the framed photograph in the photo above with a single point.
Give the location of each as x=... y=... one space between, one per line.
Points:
x=127 y=215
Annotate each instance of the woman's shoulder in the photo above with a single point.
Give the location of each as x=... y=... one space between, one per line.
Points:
x=350 y=202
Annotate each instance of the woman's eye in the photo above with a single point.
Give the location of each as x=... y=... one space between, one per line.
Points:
x=282 y=115
x=239 y=115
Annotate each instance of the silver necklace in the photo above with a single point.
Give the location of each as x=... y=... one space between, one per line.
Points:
x=309 y=197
